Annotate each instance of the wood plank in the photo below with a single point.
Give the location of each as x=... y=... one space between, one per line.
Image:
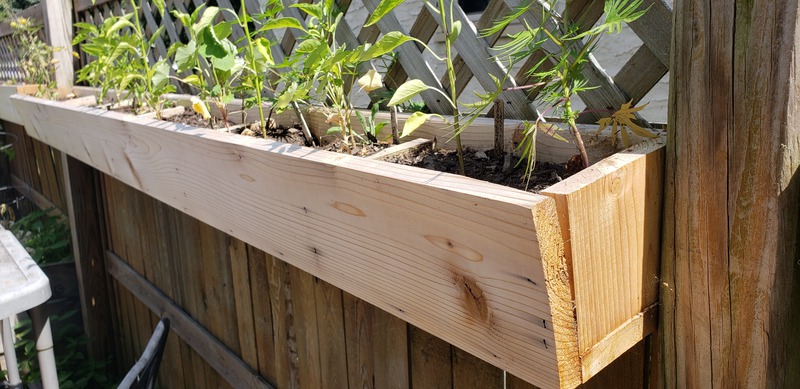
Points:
x=331 y=330
x=513 y=382
x=654 y=28
x=282 y=320
x=498 y=227
x=240 y=271
x=423 y=29
x=358 y=329
x=265 y=339
x=431 y=361
x=729 y=256
x=305 y=328
x=58 y=31
x=470 y=372
x=219 y=357
x=630 y=189
x=35 y=12
x=605 y=352
x=37 y=198
x=390 y=351
x=88 y=247
x=640 y=74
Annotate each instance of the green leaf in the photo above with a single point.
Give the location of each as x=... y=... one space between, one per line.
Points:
x=159 y=6
x=455 y=31
x=408 y=90
x=156 y=35
x=120 y=24
x=186 y=55
x=387 y=43
x=312 y=9
x=285 y=22
x=307 y=46
x=193 y=80
x=223 y=30
x=183 y=17
x=263 y=54
x=414 y=122
x=381 y=10
x=334 y=130
x=160 y=74
x=205 y=20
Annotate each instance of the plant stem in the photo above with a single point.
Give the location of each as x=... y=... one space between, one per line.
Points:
x=257 y=83
x=451 y=75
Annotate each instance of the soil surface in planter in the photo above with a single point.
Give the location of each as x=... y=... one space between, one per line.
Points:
x=486 y=166
x=360 y=150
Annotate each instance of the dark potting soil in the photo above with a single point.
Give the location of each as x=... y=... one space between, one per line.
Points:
x=485 y=166
x=360 y=150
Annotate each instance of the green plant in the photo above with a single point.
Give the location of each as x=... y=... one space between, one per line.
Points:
x=330 y=66
x=559 y=75
x=46 y=237
x=371 y=129
x=75 y=369
x=411 y=88
x=210 y=55
x=113 y=49
x=35 y=57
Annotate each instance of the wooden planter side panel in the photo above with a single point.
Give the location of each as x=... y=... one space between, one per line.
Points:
x=7 y=111
x=611 y=214
x=461 y=263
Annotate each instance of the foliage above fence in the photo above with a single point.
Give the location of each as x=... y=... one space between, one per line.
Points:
x=475 y=59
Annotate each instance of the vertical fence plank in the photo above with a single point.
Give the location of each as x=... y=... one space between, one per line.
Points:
x=282 y=320
x=331 y=328
x=84 y=197
x=262 y=314
x=431 y=361
x=471 y=372
x=390 y=351
x=358 y=317
x=58 y=29
x=305 y=328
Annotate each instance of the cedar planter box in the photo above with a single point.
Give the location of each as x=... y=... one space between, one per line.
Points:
x=551 y=288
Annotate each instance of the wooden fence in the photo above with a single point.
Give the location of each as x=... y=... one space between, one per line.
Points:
x=244 y=318
x=9 y=64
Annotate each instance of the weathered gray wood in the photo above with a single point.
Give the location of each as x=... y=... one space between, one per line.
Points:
x=654 y=28
x=730 y=274
x=58 y=30
x=640 y=74
x=235 y=371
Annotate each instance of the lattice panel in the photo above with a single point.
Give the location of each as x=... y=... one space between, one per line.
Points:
x=9 y=59
x=474 y=63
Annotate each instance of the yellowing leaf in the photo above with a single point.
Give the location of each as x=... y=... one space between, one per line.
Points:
x=200 y=107
x=621 y=121
x=414 y=122
x=371 y=81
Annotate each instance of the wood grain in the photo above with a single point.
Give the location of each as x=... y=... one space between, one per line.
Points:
x=507 y=269
x=729 y=256
x=620 y=250
x=215 y=353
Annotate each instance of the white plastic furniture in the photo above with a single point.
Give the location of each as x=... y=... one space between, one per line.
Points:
x=23 y=286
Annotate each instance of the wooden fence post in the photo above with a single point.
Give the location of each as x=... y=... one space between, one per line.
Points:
x=83 y=188
x=729 y=261
x=58 y=29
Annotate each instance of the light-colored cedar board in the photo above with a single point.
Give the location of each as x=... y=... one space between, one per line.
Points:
x=619 y=341
x=402 y=148
x=176 y=164
x=219 y=357
x=7 y=111
x=610 y=214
